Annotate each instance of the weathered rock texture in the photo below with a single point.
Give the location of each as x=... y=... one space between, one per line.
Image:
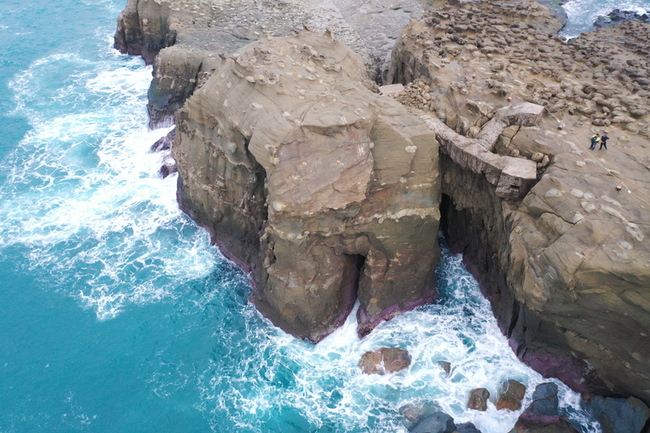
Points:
x=385 y=360
x=324 y=190
x=568 y=268
x=183 y=37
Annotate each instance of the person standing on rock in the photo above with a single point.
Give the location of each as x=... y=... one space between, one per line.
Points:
x=595 y=139
x=603 y=141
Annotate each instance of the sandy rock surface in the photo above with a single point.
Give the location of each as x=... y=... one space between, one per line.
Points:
x=568 y=267
x=325 y=190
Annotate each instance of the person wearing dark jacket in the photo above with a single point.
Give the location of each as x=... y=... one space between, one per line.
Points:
x=603 y=141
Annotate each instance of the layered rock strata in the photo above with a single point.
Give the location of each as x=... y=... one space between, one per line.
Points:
x=183 y=37
x=325 y=191
x=568 y=268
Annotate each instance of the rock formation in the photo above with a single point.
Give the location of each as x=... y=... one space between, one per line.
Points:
x=565 y=261
x=385 y=360
x=567 y=268
x=183 y=37
x=324 y=190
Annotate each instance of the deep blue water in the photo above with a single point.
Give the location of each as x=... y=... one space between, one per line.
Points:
x=116 y=315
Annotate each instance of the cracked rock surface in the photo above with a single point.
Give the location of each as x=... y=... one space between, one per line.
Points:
x=326 y=191
x=568 y=268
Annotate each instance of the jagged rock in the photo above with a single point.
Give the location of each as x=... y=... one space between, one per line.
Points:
x=510 y=395
x=618 y=16
x=185 y=36
x=446 y=366
x=619 y=415
x=164 y=143
x=467 y=427
x=413 y=413
x=478 y=399
x=385 y=360
x=545 y=400
x=323 y=190
x=437 y=423
x=566 y=275
x=550 y=424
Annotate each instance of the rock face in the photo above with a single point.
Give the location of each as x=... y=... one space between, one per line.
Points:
x=183 y=37
x=324 y=190
x=566 y=268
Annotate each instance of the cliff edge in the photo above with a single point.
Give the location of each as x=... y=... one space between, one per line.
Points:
x=326 y=191
x=568 y=268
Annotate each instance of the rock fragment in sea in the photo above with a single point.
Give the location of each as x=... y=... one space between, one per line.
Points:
x=478 y=399
x=439 y=422
x=446 y=366
x=545 y=400
x=416 y=411
x=511 y=395
x=385 y=360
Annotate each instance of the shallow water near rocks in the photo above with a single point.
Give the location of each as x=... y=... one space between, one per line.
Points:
x=119 y=316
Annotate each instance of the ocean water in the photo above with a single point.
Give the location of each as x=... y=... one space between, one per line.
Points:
x=117 y=315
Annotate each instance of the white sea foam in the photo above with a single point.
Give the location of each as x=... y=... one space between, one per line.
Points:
x=284 y=379
x=83 y=195
x=583 y=13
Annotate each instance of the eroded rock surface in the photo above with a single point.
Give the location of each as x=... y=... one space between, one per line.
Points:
x=183 y=37
x=385 y=360
x=324 y=190
x=568 y=268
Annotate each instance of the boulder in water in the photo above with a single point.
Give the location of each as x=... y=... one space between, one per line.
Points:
x=478 y=399
x=439 y=422
x=385 y=360
x=510 y=395
x=545 y=400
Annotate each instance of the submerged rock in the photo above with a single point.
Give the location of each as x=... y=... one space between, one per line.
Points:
x=413 y=413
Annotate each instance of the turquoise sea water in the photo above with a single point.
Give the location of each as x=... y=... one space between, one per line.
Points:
x=116 y=315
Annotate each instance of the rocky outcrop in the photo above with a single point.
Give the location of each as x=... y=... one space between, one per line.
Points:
x=325 y=191
x=618 y=16
x=566 y=269
x=385 y=360
x=182 y=38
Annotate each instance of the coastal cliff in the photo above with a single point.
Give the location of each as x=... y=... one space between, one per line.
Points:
x=567 y=268
x=326 y=191
x=564 y=260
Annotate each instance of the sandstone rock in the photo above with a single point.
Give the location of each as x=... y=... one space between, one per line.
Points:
x=324 y=190
x=197 y=32
x=561 y=285
x=510 y=395
x=385 y=360
x=478 y=399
